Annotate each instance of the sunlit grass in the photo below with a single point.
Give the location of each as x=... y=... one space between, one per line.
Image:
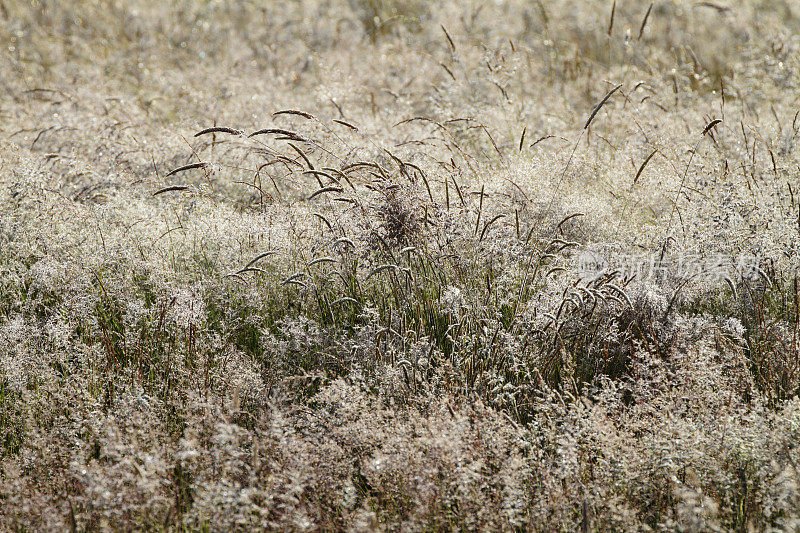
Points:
x=317 y=265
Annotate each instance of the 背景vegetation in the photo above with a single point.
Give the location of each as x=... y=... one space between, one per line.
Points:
x=322 y=265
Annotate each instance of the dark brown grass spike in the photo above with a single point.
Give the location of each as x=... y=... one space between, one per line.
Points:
x=279 y=131
x=644 y=21
x=346 y=124
x=480 y=210
x=712 y=5
x=458 y=190
x=303 y=155
x=324 y=190
x=186 y=167
x=325 y=220
x=449 y=40
x=711 y=125
x=293 y=112
x=320 y=173
x=494 y=144
x=173 y=188
x=259 y=257
x=600 y=105
x=569 y=217
x=427 y=185
x=611 y=20
x=486 y=227
x=450 y=72
x=641 y=168
x=218 y=129
x=540 y=139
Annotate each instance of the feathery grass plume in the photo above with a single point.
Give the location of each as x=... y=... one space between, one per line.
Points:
x=173 y=389
x=711 y=125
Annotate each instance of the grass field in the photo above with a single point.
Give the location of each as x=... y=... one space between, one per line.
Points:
x=399 y=265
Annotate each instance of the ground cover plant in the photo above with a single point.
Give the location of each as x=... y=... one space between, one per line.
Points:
x=361 y=265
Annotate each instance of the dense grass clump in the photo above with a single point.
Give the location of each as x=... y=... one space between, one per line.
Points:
x=362 y=265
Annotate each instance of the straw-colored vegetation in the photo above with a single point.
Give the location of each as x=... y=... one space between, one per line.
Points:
x=314 y=265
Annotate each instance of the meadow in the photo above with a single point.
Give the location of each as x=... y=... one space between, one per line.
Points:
x=355 y=265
